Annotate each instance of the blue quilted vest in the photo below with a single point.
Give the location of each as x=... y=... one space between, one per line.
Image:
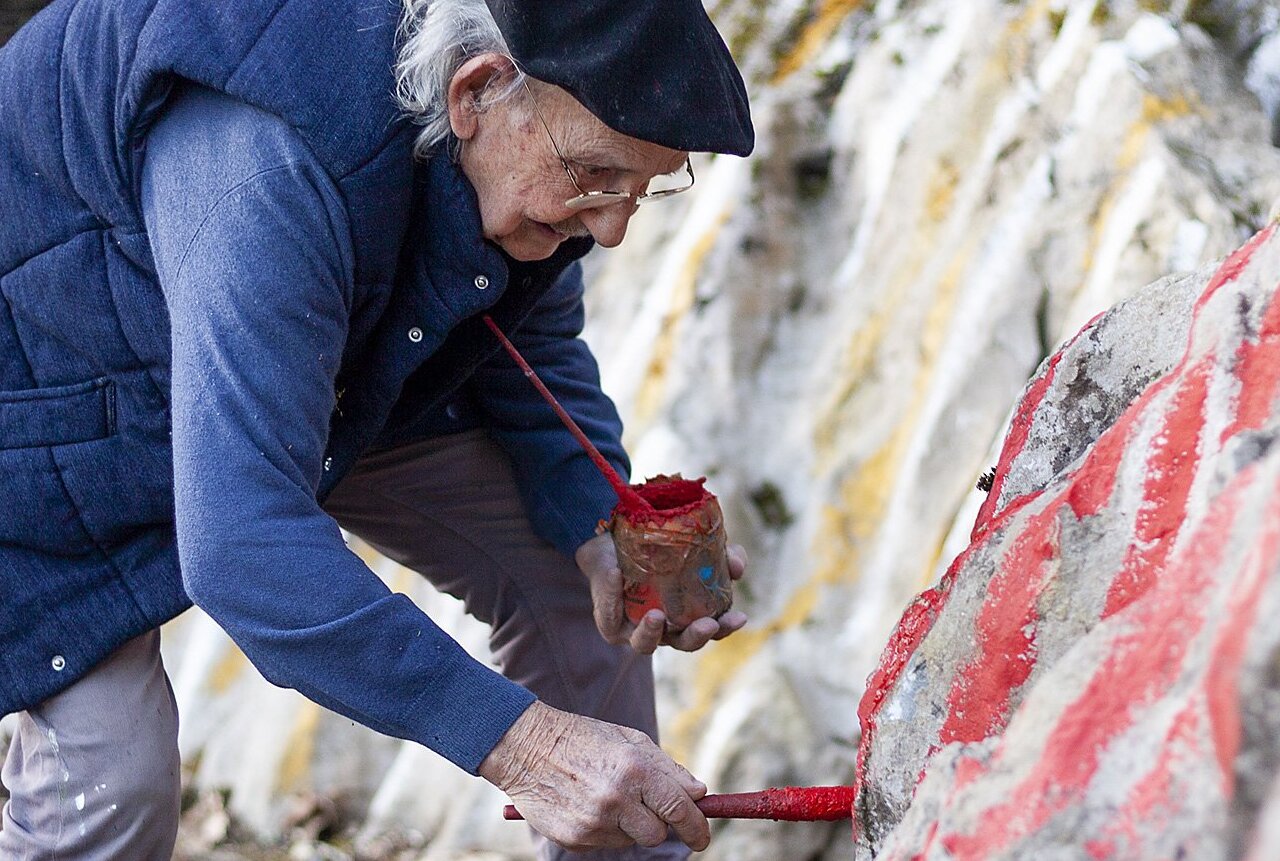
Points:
x=87 y=549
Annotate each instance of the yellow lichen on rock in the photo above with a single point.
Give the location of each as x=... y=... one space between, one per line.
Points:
x=815 y=35
x=227 y=670
x=296 y=766
x=942 y=191
x=855 y=363
x=720 y=666
x=1137 y=137
x=649 y=399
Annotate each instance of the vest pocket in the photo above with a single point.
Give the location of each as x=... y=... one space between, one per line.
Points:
x=57 y=415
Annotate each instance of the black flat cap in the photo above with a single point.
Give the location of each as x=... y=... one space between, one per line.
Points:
x=656 y=70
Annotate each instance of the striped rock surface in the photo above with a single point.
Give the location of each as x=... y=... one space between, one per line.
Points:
x=1098 y=674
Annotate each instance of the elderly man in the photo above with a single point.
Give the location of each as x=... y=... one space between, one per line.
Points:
x=242 y=308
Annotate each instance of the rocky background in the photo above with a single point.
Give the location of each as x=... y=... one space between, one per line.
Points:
x=835 y=331
x=1096 y=674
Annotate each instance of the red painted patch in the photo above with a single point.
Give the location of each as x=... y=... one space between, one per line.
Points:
x=1100 y=850
x=1095 y=481
x=1235 y=264
x=1228 y=652
x=979 y=700
x=1016 y=440
x=1170 y=470
x=968 y=770
x=1257 y=367
x=910 y=631
x=1148 y=804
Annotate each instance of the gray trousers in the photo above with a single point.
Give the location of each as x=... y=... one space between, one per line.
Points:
x=93 y=772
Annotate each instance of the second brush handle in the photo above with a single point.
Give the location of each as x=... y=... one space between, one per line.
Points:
x=784 y=804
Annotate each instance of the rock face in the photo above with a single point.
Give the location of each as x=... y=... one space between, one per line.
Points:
x=833 y=331
x=1098 y=674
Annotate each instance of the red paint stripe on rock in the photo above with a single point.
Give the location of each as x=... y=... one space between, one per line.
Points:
x=1100 y=850
x=1005 y=631
x=910 y=631
x=1170 y=470
x=1229 y=651
x=1235 y=264
x=1095 y=480
x=1257 y=367
x=1149 y=800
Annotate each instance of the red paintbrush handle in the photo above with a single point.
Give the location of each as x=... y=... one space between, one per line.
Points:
x=620 y=487
x=785 y=804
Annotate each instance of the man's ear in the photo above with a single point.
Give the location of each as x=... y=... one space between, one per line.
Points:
x=468 y=86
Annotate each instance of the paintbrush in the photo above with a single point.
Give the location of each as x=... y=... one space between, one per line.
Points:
x=668 y=532
x=783 y=804
x=620 y=487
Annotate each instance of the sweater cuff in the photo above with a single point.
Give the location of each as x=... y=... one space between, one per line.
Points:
x=583 y=498
x=467 y=708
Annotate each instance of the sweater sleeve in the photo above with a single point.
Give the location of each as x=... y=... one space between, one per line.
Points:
x=254 y=256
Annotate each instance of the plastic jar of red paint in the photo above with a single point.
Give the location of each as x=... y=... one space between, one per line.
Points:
x=672 y=556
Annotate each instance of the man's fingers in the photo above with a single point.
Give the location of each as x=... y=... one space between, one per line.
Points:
x=694 y=787
x=608 y=608
x=677 y=809
x=643 y=826
x=736 y=555
x=694 y=637
x=583 y=835
x=648 y=634
x=597 y=554
x=730 y=622
x=704 y=630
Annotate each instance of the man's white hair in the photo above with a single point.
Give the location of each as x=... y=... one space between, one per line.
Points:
x=436 y=38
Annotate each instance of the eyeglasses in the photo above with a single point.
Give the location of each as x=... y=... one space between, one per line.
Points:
x=595 y=199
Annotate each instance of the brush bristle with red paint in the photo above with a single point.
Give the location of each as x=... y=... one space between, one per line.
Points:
x=783 y=804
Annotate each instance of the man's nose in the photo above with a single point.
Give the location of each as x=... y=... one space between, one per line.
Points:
x=608 y=224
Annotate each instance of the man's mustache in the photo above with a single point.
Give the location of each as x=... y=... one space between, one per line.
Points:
x=571 y=228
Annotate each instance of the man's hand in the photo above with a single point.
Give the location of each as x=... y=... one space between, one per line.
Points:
x=586 y=784
x=598 y=559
